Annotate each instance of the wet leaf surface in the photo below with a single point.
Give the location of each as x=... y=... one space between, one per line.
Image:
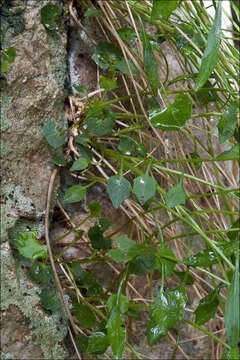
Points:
x=167 y=309
x=175 y=116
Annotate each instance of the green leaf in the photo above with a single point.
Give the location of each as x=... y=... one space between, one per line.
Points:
x=82 y=139
x=97 y=343
x=181 y=275
x=79 y=164
x=92 y=13
x=93 y=285
x=127 y=34
x=122 y=302
x=74 y=194
x=232 y=154
x=208 y=257
x=118 y=255
x=133 y=310
x=207 y=308
x=98 y=241
x=104 y=224
x=41 y=272
x=122 y=66
x=163 y=9
x=85 y=152
x=106 y=54
x=28 y=246
x=116 y=332
x=167 y=309
x=140 y=150
x=227 y=123
x=49 y=299
x=168 y=265
x=125 y=146
x=77 y=271
x=118 y=189
x=84 y=315
x=50 y=16
x=102 y=124
x=175 y=116
x=51 y=135
x=107 y=83
x=58 y=158
x=142 y=265
x=10 y=54
x=144 y=188
x=95 y=209
x=210 y=56
x=4 y=66
x=232 y=354
x=176 y=195
x=82 y=342
x=232 y=310
x=151 y=68
x=125 y=243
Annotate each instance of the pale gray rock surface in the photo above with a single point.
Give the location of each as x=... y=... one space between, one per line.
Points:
x=32 y=93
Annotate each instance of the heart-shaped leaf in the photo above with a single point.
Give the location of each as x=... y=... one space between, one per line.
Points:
x=49 y=299
x=176 y=195
x=163 y=9
x=144 y=188
x=102 y=123
x=116 y=332
x=74 y=194
x=50 y=16
x=84 y=315
x=51 y=134
x=167 y=309
x=173 y=117
x=207 y=308
x=79 y=164
x=118 y=189
x=97 y=343
x=106 y=54
x=125 y=146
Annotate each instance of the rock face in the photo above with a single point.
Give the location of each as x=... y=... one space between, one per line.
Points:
x=32 y=94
